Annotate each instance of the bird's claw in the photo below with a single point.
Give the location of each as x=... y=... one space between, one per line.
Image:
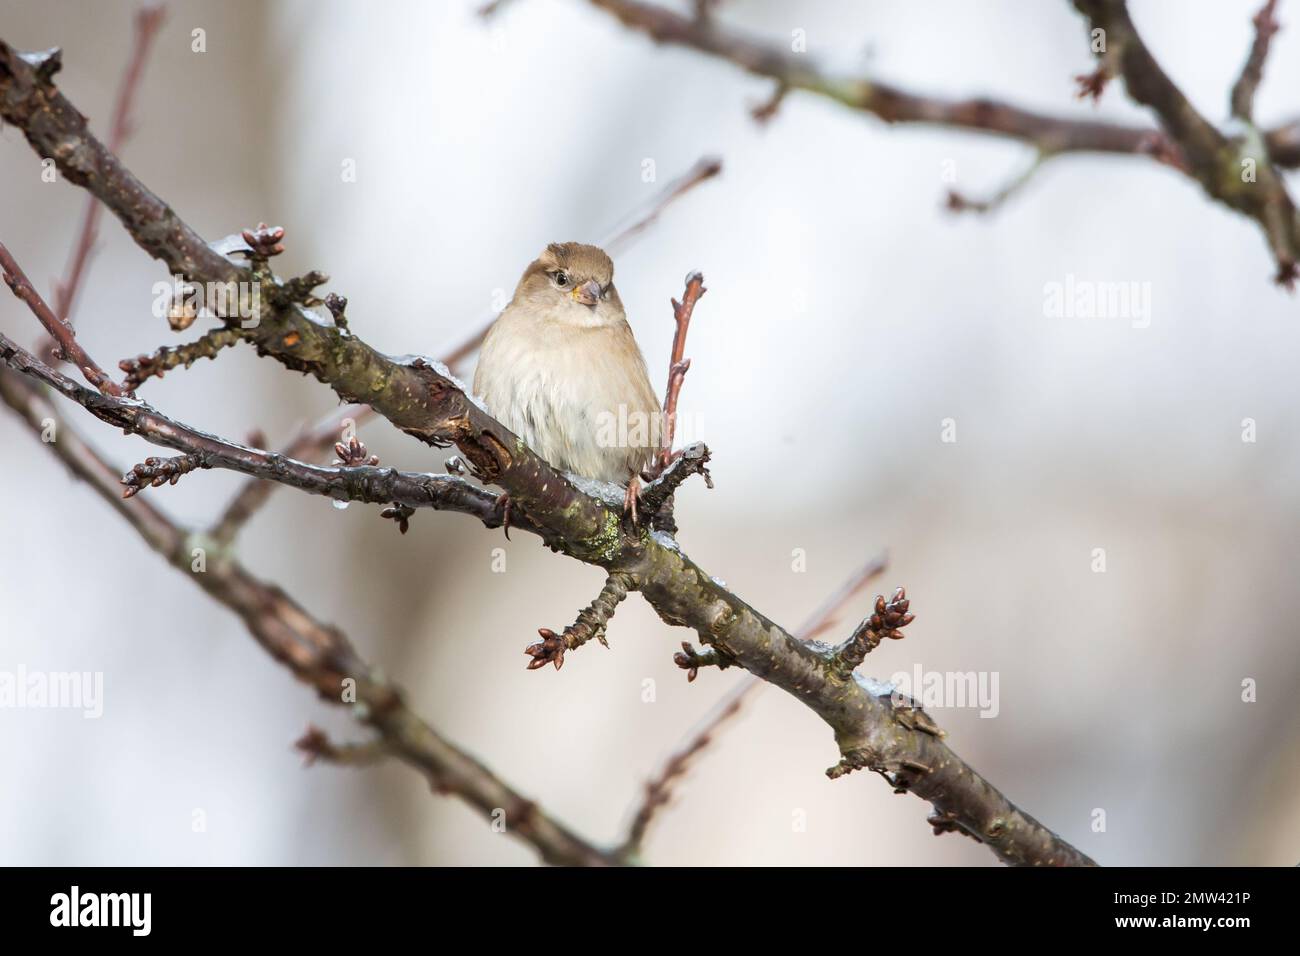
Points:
x=631 y=498
x=503 y=502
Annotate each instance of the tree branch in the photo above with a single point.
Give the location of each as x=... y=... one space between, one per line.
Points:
x=659 y=789
x=678 y=363
x=352 y=483
x=959 y=202
x=139 y=370
x=310 y=443
x=1210 y=158
x=1243 y=91
x=426 y=402
x=1221 y=165
x=591 y=623
x=319 y=655
x=693 y=460
x=60 y=330
x=887 y=621
x=892 y=104
x=148 y=20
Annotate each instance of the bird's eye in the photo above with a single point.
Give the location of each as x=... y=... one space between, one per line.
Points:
x=561 y=279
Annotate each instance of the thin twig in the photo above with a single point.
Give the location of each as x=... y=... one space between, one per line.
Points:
x=144 y=367
x=1243 y=91
x=678 y=363
x=58 y=328
x=315 y=745
x=352 y=483
x=591 y=623
x=148 y=20
x=310 y=444
x=958 y=202
x=887 y=620
x=693 y=460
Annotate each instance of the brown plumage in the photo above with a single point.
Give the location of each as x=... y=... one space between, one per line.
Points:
x=561 y=369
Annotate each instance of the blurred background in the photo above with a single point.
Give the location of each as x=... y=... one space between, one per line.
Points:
x=848 y=316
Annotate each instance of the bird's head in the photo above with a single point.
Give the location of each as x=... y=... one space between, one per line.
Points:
x=571 y=283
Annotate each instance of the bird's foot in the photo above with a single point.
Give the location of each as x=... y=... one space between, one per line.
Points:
x=630 y=498
x=503 y=502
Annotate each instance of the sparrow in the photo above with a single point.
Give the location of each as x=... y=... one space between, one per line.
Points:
x=561 y=369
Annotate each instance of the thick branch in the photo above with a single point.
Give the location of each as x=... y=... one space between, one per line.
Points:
x=1218 y=163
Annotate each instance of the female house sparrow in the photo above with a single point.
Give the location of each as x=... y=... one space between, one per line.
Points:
x=561 y=369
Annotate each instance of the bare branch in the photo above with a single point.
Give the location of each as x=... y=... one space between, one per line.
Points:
x=144 y=367
x=886 y=621
x=354 y=483
x=693 y=460
x=148 y=20
x=678 y=364
x=1211 y=158
x=426 y=402
x=892 y=104
x=58 y=328
x=311 y=443
x=1243 y=91
x=319 y=655
x=659 y=789
x=957 y=202
x=315 y=745
x=591 y=623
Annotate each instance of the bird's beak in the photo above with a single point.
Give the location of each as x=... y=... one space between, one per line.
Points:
x=588 y=293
